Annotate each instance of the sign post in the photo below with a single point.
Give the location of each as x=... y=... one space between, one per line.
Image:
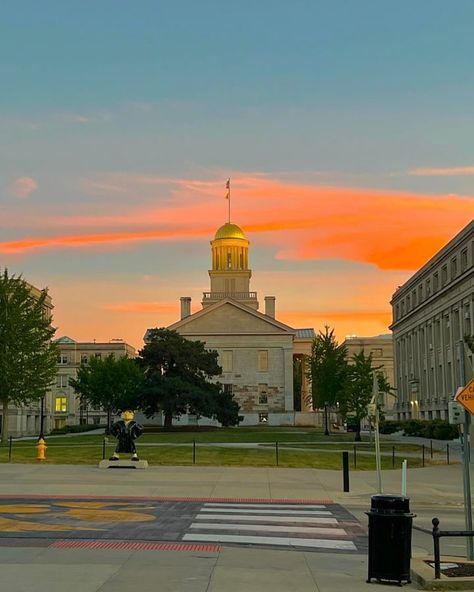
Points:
x=465 y=396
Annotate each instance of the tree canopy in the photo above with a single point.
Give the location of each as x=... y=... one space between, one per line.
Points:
x=178 y=379
x=110 y=383
x=327 y=371
x=28 y=357
x=359 y=386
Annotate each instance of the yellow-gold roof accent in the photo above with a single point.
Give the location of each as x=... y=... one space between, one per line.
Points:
x=230 y=230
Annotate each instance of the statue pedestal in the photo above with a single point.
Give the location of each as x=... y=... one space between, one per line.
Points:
x=123 y=464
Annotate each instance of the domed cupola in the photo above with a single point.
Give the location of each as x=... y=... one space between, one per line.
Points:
x=230 y=274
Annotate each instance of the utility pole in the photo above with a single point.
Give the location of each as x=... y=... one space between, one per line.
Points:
x=465 y=458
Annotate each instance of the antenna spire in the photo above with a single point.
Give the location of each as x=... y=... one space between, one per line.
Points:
x=227 y=195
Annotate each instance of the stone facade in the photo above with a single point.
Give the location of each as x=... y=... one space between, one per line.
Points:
x=432 y=312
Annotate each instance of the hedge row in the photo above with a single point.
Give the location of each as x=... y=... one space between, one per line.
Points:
x=438 y=429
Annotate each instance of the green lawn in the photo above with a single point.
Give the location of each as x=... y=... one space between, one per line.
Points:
x=296 y=448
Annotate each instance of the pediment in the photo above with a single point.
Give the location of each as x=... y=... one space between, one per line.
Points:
x=229 y=317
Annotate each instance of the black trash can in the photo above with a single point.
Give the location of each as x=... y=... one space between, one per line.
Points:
x=390 y=522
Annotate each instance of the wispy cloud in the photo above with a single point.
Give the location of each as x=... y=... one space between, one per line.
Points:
x=441 y=171
x=388 y=229
x=145 y=307
x=23 y=187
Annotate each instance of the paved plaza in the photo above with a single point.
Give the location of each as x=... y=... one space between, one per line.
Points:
x=79 y=528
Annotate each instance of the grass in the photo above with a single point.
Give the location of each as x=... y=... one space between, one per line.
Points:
x=298 y=448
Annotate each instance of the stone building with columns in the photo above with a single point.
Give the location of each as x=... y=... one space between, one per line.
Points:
x=432 y=312
x=255 y=349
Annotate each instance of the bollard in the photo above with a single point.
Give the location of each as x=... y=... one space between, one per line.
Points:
x=393 y=456
x=345 y=471
x=431 y=448
x=355 y=456
x=194 y=452
x=276 y=453
x=447 y=453
x=423 y=455
x=10 y=448
x=41 y=449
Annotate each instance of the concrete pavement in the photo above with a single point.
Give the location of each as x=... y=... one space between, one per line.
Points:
x=433 y=491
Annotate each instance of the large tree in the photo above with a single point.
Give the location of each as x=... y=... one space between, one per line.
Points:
x=359 y=387
x=326 y=369
x=28 y=358
x=178 y=374
x=110 y=383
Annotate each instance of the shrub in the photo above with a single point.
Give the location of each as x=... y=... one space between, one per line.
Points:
x=389 y=427
x=439 y=429
x=414 y=427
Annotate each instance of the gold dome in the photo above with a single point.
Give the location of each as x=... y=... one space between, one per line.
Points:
x=230 y=231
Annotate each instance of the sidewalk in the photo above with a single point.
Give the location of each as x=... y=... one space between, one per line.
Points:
x=246 y=569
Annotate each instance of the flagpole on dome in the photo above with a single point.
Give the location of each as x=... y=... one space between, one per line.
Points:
x=227 y=196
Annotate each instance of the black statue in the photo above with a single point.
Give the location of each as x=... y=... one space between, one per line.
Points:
x=126 y=430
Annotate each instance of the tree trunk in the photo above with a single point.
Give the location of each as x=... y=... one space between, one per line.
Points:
x=357 y=436
x=168 y=420
x=4 y=421
x=326 y=426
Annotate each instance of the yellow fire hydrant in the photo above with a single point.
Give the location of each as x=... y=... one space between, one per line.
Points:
x=41 y=449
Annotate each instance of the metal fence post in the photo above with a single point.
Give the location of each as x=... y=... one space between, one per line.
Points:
x=355 y=456
x=431 y=448
x=393 y=456
x=436 y=554
x=423 y=455
x=194 y=452
x=345 y=470
x=103 y=448
x=276 y=453
x=10 y=448
x=447 y=453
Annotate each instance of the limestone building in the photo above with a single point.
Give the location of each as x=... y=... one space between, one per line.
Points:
x=62 y=405
x=432 y=312
x=255 y=349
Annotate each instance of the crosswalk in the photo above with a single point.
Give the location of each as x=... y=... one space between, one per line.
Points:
x=302 y=526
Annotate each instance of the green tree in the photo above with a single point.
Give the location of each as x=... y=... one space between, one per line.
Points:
x=326 y=370
x=297 y=382
x=359 y=387
x=178 y=375
x=110 y=383
x=28 y=358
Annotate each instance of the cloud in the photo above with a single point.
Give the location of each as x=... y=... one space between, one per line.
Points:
x=441 y=171
x=146 y=307
x=23 y=187
x=297 y=222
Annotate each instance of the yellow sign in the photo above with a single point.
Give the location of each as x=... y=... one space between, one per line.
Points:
x=465 y=396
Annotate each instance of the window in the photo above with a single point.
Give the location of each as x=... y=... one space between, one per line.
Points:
x=227 y=389
x=377 y=352
x=262 y=417
x=60 y=404
x=420 y=293
x=99 y=355
x=262 y=399
x=62 y=380
x=63 y=359
x=454 y=267
x=263 y=360
x=435 y=282
x=444 y=275
x=229 y=260
x=428 y=288
x=227 y=361
x=413 y=298
x=84 y=358
x=464 y=260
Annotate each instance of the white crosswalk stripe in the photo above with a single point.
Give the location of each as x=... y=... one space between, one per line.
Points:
x=311 y=526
